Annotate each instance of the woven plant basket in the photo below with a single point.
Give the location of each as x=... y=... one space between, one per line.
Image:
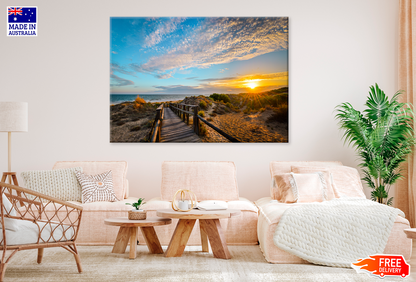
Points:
x=133 y=215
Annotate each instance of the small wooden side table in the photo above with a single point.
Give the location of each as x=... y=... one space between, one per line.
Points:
x=411 y=233
x=128 y=232
x=209 y=222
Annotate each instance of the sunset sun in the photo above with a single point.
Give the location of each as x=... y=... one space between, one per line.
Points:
x=251 y=84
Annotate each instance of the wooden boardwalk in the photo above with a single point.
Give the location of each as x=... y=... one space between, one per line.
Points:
x=175 y=130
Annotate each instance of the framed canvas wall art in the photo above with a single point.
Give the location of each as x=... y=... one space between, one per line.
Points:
x=212 y=79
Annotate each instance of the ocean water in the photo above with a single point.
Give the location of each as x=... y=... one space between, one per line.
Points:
x=120 y=98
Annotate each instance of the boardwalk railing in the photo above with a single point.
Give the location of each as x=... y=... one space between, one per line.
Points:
x=157 y=125
x=183 y=111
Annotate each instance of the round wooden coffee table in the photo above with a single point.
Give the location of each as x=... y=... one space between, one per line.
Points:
x=209 y=226
x=128 y=231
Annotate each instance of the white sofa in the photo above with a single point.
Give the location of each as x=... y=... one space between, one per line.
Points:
x=209 y=181
x=270 y=211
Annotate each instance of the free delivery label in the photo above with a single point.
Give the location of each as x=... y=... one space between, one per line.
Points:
x=382 y=266
x=22 y=21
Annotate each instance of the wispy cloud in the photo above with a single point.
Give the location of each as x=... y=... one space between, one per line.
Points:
x=114 y=67
x=159 y=75
x=220 y=41
x=164 y=76
x=164 y=28
x=177 y=88
x=239 y=79
x=119 y=81
x=217 y=79
x=223 y=70
x=114 y=52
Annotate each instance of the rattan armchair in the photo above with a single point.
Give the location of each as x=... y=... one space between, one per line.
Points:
x=31 y=220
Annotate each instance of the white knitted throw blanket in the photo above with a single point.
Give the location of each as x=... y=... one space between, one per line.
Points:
x=337 y=232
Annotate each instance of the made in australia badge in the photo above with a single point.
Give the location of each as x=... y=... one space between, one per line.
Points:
x=22 y=21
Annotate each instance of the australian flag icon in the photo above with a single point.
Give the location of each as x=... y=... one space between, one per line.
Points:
x=22 y=14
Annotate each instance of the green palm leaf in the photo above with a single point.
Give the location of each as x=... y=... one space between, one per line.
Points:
x=383 y=136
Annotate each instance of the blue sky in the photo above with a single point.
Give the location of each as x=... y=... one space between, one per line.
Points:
x=198 y=55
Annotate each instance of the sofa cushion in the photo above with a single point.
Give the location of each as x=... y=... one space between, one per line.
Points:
x=96 y=188
x=241 y=204
x=9 y=223
x=277 y=167
x=208 y=180
x=60 y=183
x=118 y=169
x=28 y=233
x=299 y=188
x=331 y=191
x=346 y=180
x=238 y=230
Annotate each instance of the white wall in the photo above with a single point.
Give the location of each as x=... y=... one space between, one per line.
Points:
x=337 y=49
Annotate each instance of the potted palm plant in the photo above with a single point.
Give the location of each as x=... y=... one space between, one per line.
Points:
x=382 y=135
x=136 y=212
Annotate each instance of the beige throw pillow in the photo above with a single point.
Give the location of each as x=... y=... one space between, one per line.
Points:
x=97 y=188
x=299 y=188
x=346 y=180
x=331 y=188
x=59 y=183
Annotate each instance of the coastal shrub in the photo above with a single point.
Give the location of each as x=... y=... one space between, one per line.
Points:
x=225 y=98
x=215 y=97
x=220 y=97
x=255 y=104
x=262 y=100
x=202 y=130
x=203 y=105
x=280 y=115
x=213 y=114
x=148 y=107
x=209 y=119
x=201 y=113
x=228 y=104
x=139 y=102
x=246 y=111
x=236 y=101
